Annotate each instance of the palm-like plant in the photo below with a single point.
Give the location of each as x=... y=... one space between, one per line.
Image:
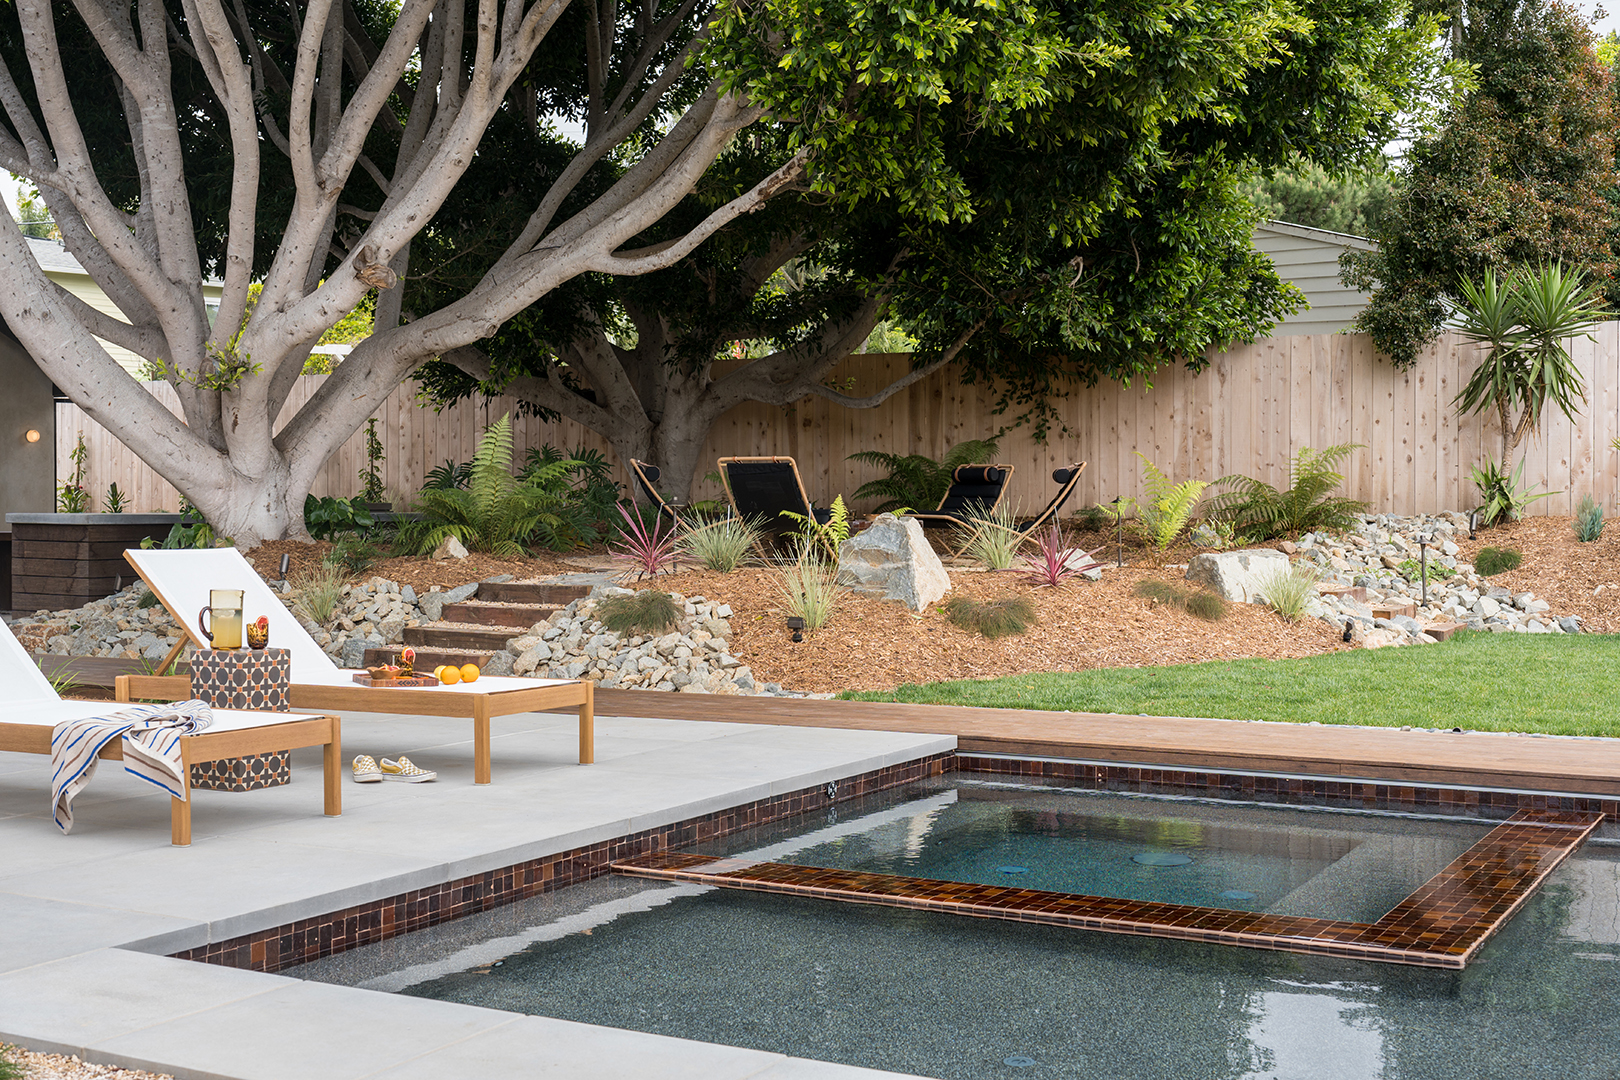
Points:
x=915 y=481
x=496 y=512
x=1524 y=322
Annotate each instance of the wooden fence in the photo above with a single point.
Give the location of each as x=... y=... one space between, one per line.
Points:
x=1248 y=412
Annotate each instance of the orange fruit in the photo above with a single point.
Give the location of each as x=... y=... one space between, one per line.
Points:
x=449 y=675
x=469 y=672
x=438 y=670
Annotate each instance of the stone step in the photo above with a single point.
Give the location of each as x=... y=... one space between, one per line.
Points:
x=528 y=592
x=504 y=614
x=1388 y=609
x=1440 y=631
x=1354 y=592
x=451 y=636
x=428 y=659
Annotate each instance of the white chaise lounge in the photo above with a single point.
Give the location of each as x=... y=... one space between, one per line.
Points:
x=181 y=581
x=32 y=710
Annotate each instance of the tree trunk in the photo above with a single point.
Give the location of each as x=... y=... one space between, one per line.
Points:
x=252 y=509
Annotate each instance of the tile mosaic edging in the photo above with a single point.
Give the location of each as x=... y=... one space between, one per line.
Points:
x=299 y=942
x=1489 y=803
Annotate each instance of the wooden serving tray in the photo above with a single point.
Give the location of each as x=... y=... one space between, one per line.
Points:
x=416 y=680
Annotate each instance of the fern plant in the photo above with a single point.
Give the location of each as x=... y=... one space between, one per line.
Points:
x=1164 y=508
x=1257 y=511
x=915 y=481
x=498 y=513
x=830 y=536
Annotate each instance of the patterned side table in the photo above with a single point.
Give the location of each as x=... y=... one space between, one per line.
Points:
x=242 y=679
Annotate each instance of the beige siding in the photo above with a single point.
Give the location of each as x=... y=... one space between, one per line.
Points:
x=1309 y=258
x=1249 y=411
x=85 y=289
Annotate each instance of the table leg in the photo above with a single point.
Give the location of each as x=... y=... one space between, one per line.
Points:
x=587 y=724
x=481 y=739
x=332 y=769
x=180 y=809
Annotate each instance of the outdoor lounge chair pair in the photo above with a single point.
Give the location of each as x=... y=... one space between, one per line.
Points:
x=32 y=711
x=977 y=490
x=181 y=581
x=763 y=489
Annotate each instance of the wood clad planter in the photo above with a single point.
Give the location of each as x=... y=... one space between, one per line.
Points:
x=67 y=560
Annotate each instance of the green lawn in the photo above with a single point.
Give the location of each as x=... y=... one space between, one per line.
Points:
x=1559 y=684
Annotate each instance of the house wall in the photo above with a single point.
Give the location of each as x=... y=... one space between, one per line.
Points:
x=27 y=470
x=81 y=286
x=1309 y=258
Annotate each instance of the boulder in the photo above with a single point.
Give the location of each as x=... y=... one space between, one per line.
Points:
x=892 y=558
x=1238 y=576
x=450 y=548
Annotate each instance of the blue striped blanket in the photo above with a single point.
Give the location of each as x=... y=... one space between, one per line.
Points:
x=151 y=735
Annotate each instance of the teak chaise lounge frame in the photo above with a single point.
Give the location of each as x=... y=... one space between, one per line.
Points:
x=318 y=684
x=766 y=502
x=974 y=494
x=33 y=710
x=1068 y=479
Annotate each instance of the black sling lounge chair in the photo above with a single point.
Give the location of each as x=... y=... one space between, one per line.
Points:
x=1069 y=479
x=646 y=476
x=974 y=494
x=762 y=488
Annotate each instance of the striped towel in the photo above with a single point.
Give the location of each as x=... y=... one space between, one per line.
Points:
x=151 y=736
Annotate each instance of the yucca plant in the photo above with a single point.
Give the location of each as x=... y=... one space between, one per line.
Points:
x=1256 y=511
x=918 y=482
x=648 y=548
x=498 y=513
x=721 y=545
x=1588 y=520
x=994 y=544
x=1502 y=495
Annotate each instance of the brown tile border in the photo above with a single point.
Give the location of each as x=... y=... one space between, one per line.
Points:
x=1441 y=925
x=310 y=939
x=1491 y=804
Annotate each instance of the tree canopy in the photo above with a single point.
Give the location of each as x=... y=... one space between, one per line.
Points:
x=1521 y=173
x=1349 y=202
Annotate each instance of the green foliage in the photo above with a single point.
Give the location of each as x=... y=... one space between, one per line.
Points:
x=646 y=612
x=1412 y=570
x=1001 y=617
x=371 y=485
x=34 y=217
x=994 y=544
x=1257 y=511
x=1588 y=520
x=1525 y=322
x=1289 y=592
x=498 y=513
x=1308 y=194
x=356 y=554
x=222 y=370
x=192 y=531
x=1521 y=174
x=1490 y=561
x=721 y=545
x=72 y=497
x=1164 y=508
x=1199 y=603
x=329 y=517
x=810 y=589
x=448 y=475
x=1503 y=496
x=318 y=593
x=830 y=536
x=1094 y=518
x=917 y=481
x=115 y=501
x=148 y=599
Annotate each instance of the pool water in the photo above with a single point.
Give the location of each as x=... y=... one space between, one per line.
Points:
x=945 y=996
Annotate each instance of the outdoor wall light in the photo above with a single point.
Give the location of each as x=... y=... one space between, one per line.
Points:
x=31 y=435
x=796 y=624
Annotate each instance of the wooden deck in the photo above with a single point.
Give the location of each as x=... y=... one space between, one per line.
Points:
x=1476 y=759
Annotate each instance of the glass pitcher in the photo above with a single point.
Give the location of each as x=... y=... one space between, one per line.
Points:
x=224 y=612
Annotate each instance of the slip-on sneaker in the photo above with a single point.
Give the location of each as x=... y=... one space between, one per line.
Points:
x=405 y=772
x=365 y=770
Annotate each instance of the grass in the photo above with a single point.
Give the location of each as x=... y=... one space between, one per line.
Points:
x=1199 y=603
x=318 y=593
x=647 y=612
x=993 y=618
x=1491 y=561
x=1555 y=684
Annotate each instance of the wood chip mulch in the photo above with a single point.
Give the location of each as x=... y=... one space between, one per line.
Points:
x=1575 y=578
x=421 y=574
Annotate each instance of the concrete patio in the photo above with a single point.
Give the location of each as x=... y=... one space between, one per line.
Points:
x=89 y=918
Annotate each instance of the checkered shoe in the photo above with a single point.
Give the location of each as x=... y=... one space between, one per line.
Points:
x=405 y=772
x=365 y=770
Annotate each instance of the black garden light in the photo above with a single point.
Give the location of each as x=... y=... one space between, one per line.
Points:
x=1120 y=518
x=1423 y=565
x=285 y=559
x=1473 y=519
x=796 y=624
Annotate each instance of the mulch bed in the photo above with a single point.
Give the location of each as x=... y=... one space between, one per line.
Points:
x=1575 y=578
x=419 y=572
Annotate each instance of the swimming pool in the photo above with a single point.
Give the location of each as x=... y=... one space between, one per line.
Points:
x=953 y=997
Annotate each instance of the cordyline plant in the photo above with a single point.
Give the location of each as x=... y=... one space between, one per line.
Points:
x=649 y=550
x=1053 y=564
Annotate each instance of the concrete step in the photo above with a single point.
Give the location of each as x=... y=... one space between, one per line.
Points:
x=428 y=659
x=453 y=636
x=520 y=592
x=503 y=614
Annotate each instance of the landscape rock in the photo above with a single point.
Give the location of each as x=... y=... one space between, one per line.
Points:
x=1238 y=576
x=460 y=593
x=432 y=605
x=450 y=548
x=893 y=558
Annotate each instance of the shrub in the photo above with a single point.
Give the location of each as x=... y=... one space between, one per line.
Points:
x=1052 y=564
x=1206 y=605
x=1198 y=603
x=650 y=549
x=1164 y=509
x=328 y=518
x=721 y=545
x=810 y=587
x=1290 y=591
x=830 y=536
x=1257 y=511
x=991 y=618
x=1588 y=520
x=646 y=612
x=10 y=1067
x=1503 y=496
x=1412 y=570
x=148 y=599
x=995 y=545
x=1494 y=560
x=116 y=501
x=355 y=554
x=318 y=593
x=915 y=481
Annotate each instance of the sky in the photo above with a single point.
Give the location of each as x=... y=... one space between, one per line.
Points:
x=1610 y=21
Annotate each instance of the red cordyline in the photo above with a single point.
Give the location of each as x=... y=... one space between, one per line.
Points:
x=650 y=552
x=1053 y=563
